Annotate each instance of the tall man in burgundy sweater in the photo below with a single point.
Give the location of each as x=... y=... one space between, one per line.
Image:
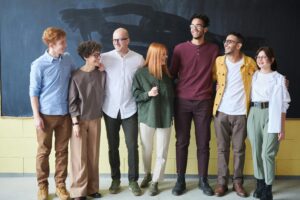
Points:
x=192 y=65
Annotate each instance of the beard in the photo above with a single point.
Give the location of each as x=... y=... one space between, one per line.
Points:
x=198 y=36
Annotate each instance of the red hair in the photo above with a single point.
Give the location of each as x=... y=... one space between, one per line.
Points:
x=52 y=34
x=155 y=54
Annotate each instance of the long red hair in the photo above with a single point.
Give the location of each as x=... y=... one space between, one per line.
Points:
x=154 y=60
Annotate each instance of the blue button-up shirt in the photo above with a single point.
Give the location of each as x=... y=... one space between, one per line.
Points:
x=49 y=81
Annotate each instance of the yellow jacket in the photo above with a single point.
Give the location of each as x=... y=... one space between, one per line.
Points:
x=220 y=74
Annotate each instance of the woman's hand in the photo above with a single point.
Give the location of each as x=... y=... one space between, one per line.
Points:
x=76 y=130
x=153 y=92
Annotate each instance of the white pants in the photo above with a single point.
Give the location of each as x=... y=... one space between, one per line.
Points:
x=162 y=146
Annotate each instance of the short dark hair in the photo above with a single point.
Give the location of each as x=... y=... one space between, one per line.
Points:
x=204 y=18
x=87 y=48
x=239 y=36
x=270 y=54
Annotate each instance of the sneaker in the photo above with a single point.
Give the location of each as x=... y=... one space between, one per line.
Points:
x=153 y=189
x=62 y=193
x=147 y=179
x=115 y=186
x=43 y=192
x=135 y=188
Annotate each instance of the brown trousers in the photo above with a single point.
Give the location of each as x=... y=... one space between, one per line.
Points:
x=230 y=128
x=85 y=159
x=61 y=126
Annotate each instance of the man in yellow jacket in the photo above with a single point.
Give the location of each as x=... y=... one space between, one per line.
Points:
x=233 y=73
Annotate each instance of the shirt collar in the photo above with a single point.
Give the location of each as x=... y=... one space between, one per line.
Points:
x=51 y=58
x=124 y=55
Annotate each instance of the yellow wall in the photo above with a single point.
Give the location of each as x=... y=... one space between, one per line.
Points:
x=18 y=149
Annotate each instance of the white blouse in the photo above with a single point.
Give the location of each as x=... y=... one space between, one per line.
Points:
x=271 y=88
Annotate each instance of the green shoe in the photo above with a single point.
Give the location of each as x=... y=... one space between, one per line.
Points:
x=146 y=180
x=153 y=189
x=135 y=188
x=115 y=186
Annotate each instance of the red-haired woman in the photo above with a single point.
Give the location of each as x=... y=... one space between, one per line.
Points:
x=153 y=91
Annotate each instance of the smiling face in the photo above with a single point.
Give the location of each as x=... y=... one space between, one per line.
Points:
x=59 y=46
x=197 y=28
x=93 y=59
x=231 y=44
x=263 y=61
x=121 y=40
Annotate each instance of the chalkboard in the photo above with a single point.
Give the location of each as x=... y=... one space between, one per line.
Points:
x=267 y=22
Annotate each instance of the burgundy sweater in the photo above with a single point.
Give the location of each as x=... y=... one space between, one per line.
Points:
x=192 y=65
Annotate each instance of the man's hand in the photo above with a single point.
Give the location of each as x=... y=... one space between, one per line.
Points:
x=281 y=136
x=101 y=67
x=39 y=123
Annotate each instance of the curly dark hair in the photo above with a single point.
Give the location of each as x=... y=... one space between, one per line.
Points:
x=204 y=18
x=87 y=48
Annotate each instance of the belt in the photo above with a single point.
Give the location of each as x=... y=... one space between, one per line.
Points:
x=261 y=105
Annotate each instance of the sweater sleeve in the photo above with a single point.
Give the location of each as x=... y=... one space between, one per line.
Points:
x=74 y=107
x=138 y=91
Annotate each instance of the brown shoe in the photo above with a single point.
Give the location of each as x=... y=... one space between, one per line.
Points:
x=220 y=190
x=43 y=192
x=239 y=189
x=62 y=193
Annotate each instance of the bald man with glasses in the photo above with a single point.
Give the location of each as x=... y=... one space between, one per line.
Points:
x=120 y=108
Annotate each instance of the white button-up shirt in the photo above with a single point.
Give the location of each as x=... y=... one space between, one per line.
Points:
x=119 y=75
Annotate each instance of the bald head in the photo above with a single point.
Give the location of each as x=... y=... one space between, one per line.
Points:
x=121 y=40
x=121 y=31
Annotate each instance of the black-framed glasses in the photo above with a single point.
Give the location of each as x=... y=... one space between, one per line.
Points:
x=230 y=42
x=196 y=26
x=119 y=39
x=96 y=55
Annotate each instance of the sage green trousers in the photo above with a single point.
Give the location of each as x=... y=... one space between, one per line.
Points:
x=264 y=145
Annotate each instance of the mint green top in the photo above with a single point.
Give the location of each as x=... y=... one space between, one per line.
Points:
x=156 y=112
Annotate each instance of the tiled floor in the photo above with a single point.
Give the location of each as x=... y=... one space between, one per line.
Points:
x=17 y=188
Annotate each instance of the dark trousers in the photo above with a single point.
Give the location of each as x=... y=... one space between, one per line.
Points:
x=185 y=112
x=230 y=129
x=130 y=128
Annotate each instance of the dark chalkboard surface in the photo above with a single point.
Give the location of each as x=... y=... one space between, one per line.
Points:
x=266 y=22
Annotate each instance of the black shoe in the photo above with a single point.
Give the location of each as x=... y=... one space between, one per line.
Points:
x=180 y=186
x=267 y=193
x=260 y=184
x=203 y=185
x=95 y=195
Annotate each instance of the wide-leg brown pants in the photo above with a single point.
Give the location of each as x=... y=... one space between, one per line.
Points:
x=85 y=159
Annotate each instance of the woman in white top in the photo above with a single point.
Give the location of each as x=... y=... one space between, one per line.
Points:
x=266 y=121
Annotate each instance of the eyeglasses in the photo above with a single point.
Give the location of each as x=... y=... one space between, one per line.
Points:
x=96 y=55
x=261 y=57
x=119 y=39
x=196 y=26
x=230 y=42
